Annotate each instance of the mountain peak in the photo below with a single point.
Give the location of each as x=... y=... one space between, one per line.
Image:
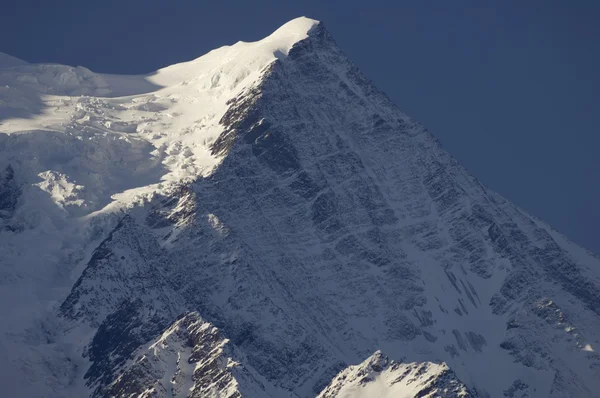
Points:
x=238 y=61
x=379 y=376
x=272 y=189
x=292 y=32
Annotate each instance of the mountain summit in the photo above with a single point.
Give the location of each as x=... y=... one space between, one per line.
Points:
x=264 y=222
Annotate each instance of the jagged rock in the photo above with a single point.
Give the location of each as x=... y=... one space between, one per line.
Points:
x=191 y=358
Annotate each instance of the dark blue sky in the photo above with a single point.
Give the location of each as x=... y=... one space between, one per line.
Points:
x=511 y=88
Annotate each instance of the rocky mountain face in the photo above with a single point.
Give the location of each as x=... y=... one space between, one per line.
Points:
x=9 y=193
x=257 y=222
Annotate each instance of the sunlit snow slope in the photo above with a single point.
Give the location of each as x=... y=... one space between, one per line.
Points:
x=260 y=222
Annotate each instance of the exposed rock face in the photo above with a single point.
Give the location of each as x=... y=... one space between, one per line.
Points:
x=9 y=194
x=190 y=359
x=123 y=294
x=330 y=227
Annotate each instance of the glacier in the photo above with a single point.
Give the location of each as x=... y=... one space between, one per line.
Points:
x=262 y=221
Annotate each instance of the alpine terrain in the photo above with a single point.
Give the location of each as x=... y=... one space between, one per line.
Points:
x=264 y=222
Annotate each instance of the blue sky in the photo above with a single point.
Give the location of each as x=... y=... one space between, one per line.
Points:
x=511 y=88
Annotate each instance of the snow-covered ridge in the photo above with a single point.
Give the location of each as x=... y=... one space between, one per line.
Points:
x=175 y=112
x=378 y=376
x=238 y=63
x=271 y=190
x=191 y=358
x=81 y=147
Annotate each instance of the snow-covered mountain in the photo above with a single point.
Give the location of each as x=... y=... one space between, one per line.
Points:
x=263 y=222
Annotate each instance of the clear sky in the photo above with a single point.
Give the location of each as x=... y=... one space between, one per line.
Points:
x=511 y=88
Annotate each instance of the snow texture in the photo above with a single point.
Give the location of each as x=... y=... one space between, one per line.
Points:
x=256 y=222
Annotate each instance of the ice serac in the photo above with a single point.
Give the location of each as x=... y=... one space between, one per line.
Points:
x=257 y=222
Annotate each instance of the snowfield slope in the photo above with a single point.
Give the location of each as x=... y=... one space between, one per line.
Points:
x=259 y=221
